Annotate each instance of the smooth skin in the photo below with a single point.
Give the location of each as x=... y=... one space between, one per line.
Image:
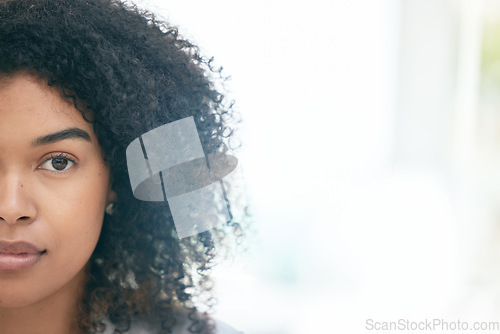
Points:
x=53 y=193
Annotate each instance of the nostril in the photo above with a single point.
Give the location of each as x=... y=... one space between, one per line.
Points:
x=13 y=221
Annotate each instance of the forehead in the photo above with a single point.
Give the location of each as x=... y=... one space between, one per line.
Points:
x=27 y=103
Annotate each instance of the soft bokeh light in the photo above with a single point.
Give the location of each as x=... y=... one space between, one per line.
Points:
x=370 y=151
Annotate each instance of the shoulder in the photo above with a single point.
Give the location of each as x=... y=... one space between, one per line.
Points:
x=142 y=326
x=153 y=326
x=223 y=328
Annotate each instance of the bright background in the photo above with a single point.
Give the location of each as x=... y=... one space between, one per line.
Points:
x=371 y=155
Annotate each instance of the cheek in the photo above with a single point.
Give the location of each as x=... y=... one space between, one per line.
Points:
x=79 y=227
x=75 y=212
x=76 y=227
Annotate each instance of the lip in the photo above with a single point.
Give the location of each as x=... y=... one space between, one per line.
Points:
x=17 y=255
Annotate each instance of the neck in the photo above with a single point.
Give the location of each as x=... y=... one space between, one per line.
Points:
x=56 y=314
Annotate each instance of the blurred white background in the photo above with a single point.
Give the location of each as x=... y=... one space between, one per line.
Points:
x=372 y=157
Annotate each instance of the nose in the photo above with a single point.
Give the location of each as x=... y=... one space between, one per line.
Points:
x=15 y=203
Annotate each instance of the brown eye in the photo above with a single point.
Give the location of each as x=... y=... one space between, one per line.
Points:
x=59 y=163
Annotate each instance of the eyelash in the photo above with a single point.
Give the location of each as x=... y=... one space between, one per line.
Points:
x=61 y=155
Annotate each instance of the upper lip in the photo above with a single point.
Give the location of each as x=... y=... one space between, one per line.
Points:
x=18 y=247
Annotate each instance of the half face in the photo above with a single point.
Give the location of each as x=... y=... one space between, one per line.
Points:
x=54 y=187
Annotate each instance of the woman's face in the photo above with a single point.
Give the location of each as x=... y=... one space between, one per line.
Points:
x=54 y=187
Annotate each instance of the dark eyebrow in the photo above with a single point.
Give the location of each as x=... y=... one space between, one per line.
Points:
x=72 y=133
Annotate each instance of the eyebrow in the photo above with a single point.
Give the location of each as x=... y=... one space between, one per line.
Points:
x=71 y=133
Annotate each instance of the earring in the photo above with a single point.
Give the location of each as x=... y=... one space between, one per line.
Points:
x=109 y=209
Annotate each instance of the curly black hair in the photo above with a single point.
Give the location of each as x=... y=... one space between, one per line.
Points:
x=134 y=73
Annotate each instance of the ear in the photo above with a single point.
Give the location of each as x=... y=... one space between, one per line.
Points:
x=112 y=197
